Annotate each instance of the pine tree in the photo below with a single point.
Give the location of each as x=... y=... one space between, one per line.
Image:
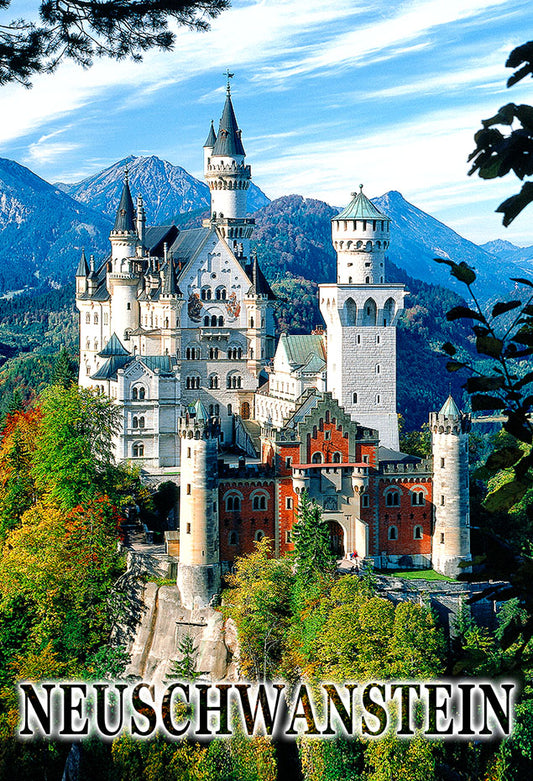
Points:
x=311 y=542
x=63 y=372
x=184 y=669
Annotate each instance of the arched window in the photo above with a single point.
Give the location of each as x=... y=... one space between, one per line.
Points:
x=351 y=311
x=259 y=501
x=95 y=319
x=220 y=293
x=213 y=381
x=205 y=294
x=220 y=321
x=417 y=498
x=259 y=535
x=135 y=422
x=417 y=533
x=354 y=398
x=316 y=458
x=141 y=421
x=232 y=501
x=337 y=458
x=369 y=312
x=206 y=320
x=142 y=394
x=233 y=538
x=389 y=310
x=138 y=450
x=88 y=318
x=134 y=394
x=393 y=533
x=392 y=499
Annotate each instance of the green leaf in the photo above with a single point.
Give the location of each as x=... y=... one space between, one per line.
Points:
x=463 y=311
x=506 y=496
x=482 y=401
x=504 y=306
x=526 y=379
x=504 y=458
x=489 y=345
x=448 y=348
x=476 y=384
x=517 y=424
x=512 y=207
x=461 y=271
x=454 y=366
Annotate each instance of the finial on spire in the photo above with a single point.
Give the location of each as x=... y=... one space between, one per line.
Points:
x=360 y=188
x=228 y=76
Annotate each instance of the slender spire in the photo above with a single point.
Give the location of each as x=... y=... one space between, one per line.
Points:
x=125 y=219
x=83 y=268
x=170 y=287
x=211 y=138
x=228 y=141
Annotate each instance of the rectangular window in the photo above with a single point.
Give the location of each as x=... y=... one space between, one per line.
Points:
x=288 y=536
x=188 y=489
x=288 y=503
x=366 y=459
x=442 y=539
x=442 y=500
x=442 y=463
x=365 y=500
x=188 y=528
x=188 y=452
x=288 y=462
x=327 y=434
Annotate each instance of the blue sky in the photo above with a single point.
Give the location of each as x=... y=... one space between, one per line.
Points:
x=328 y=95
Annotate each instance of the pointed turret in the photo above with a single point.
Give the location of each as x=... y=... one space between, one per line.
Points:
x=228 y=141
x=82 y=272
x=113 y=347
x=125 y=219
x=83 y=268
x=211 y=138
x=449 y=408
x=170 y=286
x=361 y=208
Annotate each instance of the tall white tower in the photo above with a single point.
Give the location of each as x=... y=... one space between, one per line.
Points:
x=361 y=312
x=122 y=278
x=451 y=516
x=199 y=557
x=228 y=178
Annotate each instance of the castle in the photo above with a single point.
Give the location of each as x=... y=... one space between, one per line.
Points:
x=177 y=327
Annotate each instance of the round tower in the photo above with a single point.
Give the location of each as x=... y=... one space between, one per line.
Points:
x=199 y=577
x=122 y=279
x=451 y=513
x=361 y=236
x=229 y=178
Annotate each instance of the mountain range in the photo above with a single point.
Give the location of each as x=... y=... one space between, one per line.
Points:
x=43 y=228
x=167 y=190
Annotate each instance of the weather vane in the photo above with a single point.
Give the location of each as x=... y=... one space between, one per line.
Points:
x=228 y=76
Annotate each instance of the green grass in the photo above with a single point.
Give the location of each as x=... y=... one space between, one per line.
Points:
x=416 y=574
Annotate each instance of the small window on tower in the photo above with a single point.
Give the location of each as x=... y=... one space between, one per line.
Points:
x=365 y=500
x=128 y=306
x=442 y=500
x=354 y=398
x=188 y=489
x=288 y=503
x=442 y=463
x=288 y=462
x=442 y=539
x=366 y=459
x=188 y=528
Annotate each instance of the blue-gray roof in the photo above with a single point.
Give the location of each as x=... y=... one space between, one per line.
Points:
x=125 y=219
x=188 y=242
x=228 y=142
x=83 y=268
x=301 y=348
x=113 y=347
x=211 y=138
x=361 y=208
x=108 y=370
x=450 y=409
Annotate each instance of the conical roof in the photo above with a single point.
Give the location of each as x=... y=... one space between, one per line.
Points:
x=228 y=142
x=198 y=411
x=125 y=219
x=361 y=208
x=211 y=138
x=83 y=268
x=113 y=347
x=449 y=408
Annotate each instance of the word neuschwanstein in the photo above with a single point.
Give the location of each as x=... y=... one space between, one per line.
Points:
x=439 y=709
